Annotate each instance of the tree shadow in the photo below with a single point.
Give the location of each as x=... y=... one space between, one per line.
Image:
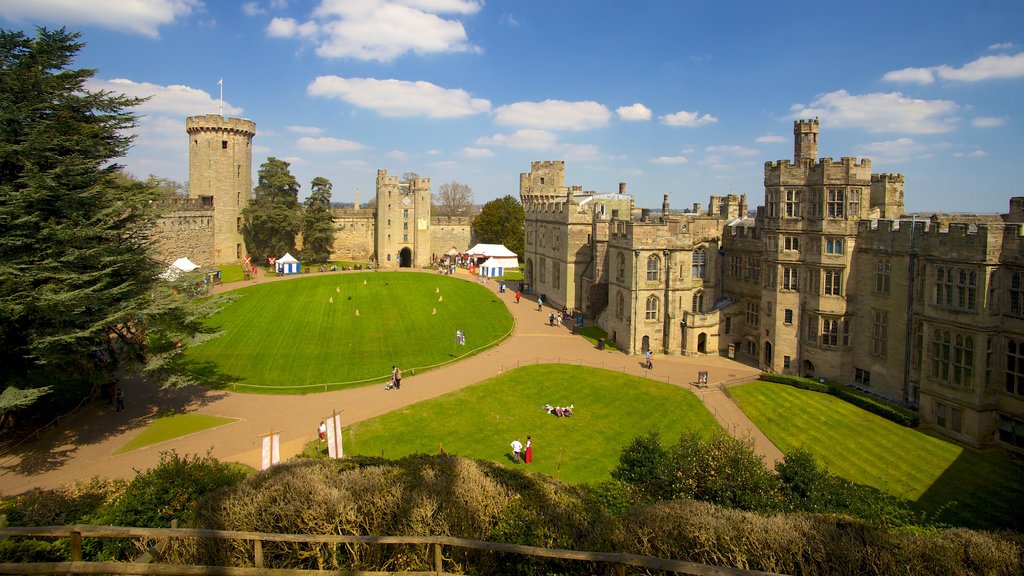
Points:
x=980 y=489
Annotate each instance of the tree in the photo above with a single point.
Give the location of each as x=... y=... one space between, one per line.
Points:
x=501 y=221
x=271 y=220
x=454 y=199
x=75 y=274
x=168 y=188
x=317 y=223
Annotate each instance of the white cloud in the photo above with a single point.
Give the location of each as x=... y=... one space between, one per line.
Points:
x=399 y=98
x=670 y=160
x=135 y=16
x=294 y=160
x=984 y=68
x=881 y=112
x=634 y=112
x=1002 y=46
x=553 y=115
x=174 y=99
x=771 y=139
x=252 y=9
x=687 y=119
x=446 y=164
x=471 y=152
x=313 y=130
x=509 y=20
x=327 y=144
x=988 y=122
x=289 y=28
x=381 y=29
x=898 y=151
x=526 y=139
x=732 y=150
x=974 y=154
x=396 y=155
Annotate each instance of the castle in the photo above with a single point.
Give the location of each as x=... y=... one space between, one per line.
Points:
x=830 y=279
x=206 y=227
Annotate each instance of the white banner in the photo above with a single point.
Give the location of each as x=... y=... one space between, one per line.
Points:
x=334 y=448
x=271 y=450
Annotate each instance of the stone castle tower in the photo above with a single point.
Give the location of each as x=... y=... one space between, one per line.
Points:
x=403 y=222
x=220 y=176
x=805 y=140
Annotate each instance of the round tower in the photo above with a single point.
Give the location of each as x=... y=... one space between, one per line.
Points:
x=805 y=140
x=220 y=174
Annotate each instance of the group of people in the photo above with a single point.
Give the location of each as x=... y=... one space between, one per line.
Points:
x=521 y=453
x=560 y=411
x=396 y=379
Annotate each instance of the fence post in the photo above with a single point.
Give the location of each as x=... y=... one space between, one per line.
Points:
x=437 y=558
x=76 y=546
x=257 y=554
x=620 y=569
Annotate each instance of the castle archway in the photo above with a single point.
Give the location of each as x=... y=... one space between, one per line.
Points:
x=702 y=343
x=768 y=355
x=808 y=369
x=528 y=271
x=405 y=258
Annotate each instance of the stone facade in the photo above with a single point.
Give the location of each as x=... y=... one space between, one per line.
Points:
x=829 y=279
x=184 y=230
x=220 y=174
x=403 y=222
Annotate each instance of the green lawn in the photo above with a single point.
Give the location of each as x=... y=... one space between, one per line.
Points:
x=173 y=426
x=304 y=334
x=480 y=421
x=988 y=487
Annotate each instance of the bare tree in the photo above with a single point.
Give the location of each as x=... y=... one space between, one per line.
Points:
x=454 y=199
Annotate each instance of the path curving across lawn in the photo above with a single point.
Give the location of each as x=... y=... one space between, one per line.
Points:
x=328 y=332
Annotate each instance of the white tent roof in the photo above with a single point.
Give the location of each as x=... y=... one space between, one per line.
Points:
x=452 y=252
x=287 y=259
x=491 y=250
x=184 y=264
x=502 y=262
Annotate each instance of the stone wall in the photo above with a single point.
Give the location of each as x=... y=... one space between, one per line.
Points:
x=447 y=233
x=184 y=230
x=353 y=235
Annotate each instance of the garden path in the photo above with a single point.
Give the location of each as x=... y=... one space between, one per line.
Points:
x=83 y=445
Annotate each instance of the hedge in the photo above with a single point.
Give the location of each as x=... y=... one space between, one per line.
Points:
x=897 y=414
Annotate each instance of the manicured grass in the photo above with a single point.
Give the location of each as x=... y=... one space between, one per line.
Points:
x=593 y=333
x=173 y=426
x=304 y=334
x=480 y=421
x=987 y=487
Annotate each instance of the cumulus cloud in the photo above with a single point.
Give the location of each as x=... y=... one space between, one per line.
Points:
x=670 y=160
x=771 y=139
x=1002 y=46
x=526 y=139
x=134 y=16
x=988 y=122
x=687 y=119
x=252 y=9
x=327 y=144
x=396 y=155
x=471 y=152
x=313 y=130
x=382 y=30
x=553 y=115
x=634 y=112
x=984 y=68
x=881 y=112
x=732 y=150
x=174 y=99
x=399 y=98
x=974 y=154
x=899 y=150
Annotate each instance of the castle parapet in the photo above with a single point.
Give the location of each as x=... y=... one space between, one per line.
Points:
x=216 y=122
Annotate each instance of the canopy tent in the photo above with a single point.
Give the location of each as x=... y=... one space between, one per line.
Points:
x=490 y=251
x=177 y=267
x=496 y=266
x=452 y=252
x=287 y=264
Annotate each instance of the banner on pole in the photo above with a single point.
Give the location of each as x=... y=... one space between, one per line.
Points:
x=460 y=338
x=271 y=450
x=334 y=447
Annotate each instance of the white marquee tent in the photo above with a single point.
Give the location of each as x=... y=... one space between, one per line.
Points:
x=287 y=264
x=177 y=267
x=495 y=258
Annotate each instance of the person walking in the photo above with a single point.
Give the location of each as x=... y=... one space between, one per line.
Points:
x=518 y=296
x=647 y=357
x=398 y=378
x=528 y=455
x=540 y=304
x=517 y=450
x=119 y=399
x=322 y=430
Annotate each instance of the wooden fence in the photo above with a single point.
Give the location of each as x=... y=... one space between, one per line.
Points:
x=145 y=565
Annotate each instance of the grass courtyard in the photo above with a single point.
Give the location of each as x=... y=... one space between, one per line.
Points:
x=959 y=484
x=480 y=421
x=326 y=332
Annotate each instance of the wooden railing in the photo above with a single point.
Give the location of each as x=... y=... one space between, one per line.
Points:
x=618 y=561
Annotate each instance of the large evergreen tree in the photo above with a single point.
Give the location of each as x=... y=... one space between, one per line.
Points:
x=271 y=220
x=74 y=270
x=502 y=221
x=317 y=223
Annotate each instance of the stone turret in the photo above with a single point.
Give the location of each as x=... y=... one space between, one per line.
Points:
x=220 y=176
x=805 y=140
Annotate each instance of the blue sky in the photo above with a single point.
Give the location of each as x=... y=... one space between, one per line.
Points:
x=684 y=97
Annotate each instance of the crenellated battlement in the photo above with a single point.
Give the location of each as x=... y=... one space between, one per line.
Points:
x=190 y=204
x=964 y=241
x=218 y=123
x=891 y=178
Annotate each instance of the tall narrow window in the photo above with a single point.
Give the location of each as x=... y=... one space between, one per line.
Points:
x=652 y=308
x=653 y=268
x=836 y=203
x=1017 y=294
x=880 y=333
x=620 y=268
x=792 y=203
x=618 y=305
x=698 y=302
x=830 y=332
x=833 y=282
x=833 y=245
x=700 y=262
x=853 y=203
x=1015 y=367
x=882 y=276
x=789 y=278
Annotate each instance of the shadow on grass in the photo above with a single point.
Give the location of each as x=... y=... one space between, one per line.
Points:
x=207 y=373
x=982 y=490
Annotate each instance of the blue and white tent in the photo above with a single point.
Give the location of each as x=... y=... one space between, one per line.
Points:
x=287 y=264
x=493 y=258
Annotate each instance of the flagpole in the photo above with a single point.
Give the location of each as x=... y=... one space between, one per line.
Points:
x=220 y=84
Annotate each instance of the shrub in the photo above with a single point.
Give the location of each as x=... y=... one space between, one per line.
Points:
x=643 y=465
x=795 y=381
